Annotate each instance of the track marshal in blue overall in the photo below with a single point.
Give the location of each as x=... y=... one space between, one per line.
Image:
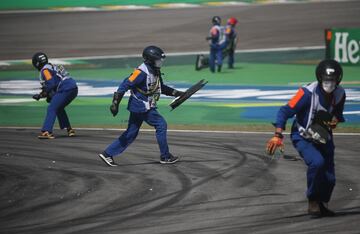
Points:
x=145 y=85
x=232 y=39
x=217 y=42
x=59 y=89
x=318 y=107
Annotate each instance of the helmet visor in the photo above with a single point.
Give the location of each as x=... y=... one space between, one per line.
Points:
x=159 y=62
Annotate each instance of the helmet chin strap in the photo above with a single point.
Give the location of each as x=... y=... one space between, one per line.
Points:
x=40 y=66
x=157 y=71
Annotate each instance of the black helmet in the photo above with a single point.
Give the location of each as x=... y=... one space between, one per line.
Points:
x=39 y=60
x=216 y=20
x=152 y=54
x=330 y=70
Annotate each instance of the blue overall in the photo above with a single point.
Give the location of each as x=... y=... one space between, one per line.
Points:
x=142 y=108
x=61 y=90
x=318 y=157
x=217 y=45
x=231 y=38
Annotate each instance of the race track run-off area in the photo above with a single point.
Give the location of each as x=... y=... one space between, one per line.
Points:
x=222 y=184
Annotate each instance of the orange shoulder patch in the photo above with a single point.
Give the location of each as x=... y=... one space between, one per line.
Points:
x=294 y=100
x=47 y=74
x=134 y=75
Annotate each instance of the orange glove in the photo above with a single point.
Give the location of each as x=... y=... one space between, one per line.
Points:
x=274 y=143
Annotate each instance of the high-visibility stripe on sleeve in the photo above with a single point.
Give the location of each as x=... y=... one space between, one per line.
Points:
x=47 y=74
x=134 y=75
x=295 y=99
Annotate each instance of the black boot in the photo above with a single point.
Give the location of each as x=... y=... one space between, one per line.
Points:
x=314 y=209
x=325 y=211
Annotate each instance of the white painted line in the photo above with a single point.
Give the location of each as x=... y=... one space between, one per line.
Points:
x=15 y=100
x=176 y=5
x=281 y=49
x=124 y=7
x=351 y=113
x=227 y=3
x=177 y=53
x=76 y=9
x=184 y=131
x=59 y=61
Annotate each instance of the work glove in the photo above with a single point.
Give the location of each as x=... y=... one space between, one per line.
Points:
x=114 y=107
x=274 y=143
x=37 y=96
x=40 y=95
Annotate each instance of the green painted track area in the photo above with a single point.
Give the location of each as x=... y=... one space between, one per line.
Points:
x=39 y=4
x=94 y=112
x=289 y=72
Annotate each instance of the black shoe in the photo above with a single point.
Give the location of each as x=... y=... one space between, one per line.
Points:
x=169 y=160
x=71 y=132
x=108 y=160
x=46 y=135
x=326 y=212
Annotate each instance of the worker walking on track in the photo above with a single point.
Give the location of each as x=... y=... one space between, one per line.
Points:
x=318 y=107
x=146 y=85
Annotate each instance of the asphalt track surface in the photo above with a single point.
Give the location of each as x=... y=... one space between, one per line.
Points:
x=77 y=34
x=223 y=184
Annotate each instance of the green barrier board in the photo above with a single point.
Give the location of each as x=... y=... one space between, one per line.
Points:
x=343 y=45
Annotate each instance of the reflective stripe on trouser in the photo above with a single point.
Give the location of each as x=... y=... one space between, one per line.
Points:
x=153 y=118
x=319 y=159
x=57 y=108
